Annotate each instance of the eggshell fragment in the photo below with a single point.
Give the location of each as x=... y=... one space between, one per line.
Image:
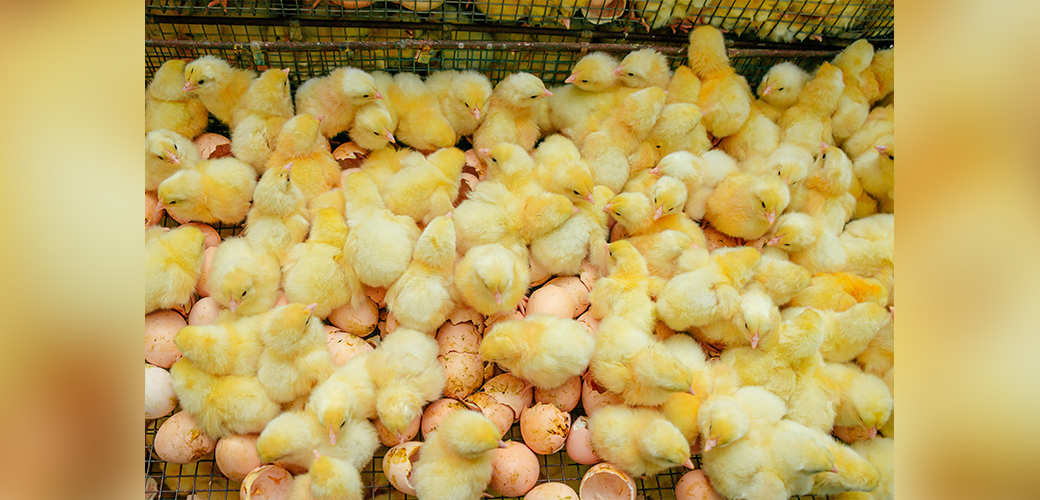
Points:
x=463 y=373
x=593 y=399
x=694 y=485
x=376 y=294
x=499 y=414
x=539 y=274
x=360 y=321
x=397 y=466
x=204 y=312
x=390 y=439
x=160 y=328
x=268 y=482
x=514 y=469
x=159 y=396
x=492 y=320
x=213 y=146
x=236 y=456
x=280 y=300
x=617 y=233
x=511 y=391
x=552 y=300
x=577 y=289
x=579 y=443
x=591 y=324
x=604 y=481
x=462 y=337
x=179 y=440
x=202 y=286
x=853 y=434
x=152 y=213
x=544 y=428
x=467 y=315
x=564 y=397
x=343 y=346
x=212 y=236
x=551 y=491
x=151 y=488
x=436 y=412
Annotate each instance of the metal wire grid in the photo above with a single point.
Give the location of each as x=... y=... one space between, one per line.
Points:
x=779 y=21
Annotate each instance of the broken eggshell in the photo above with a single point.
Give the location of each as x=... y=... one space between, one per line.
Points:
x=510 y=390
x=564 y=397
x=397 y=466
x=389 y=439
x=604 y=481
x=179 y=440
x=268 y=482
x=579 y=443
x=544 y=428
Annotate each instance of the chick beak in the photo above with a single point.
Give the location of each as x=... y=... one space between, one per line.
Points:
x=502 y=444
x=320 y=117
x=188 y=87
x=608 y=207
x=378 y=95
x=823 y=146
x=768 y=90
x=771 y=216
x=310 y=310
x=547 y=93
x=709 y=444
x=233 y=305
x=691 y=391
x=317 y=454
x=576 y=211
x=881 y=148
x=570 y=79
x=332 y=436
x=390 y=137
x=498 y=298
x=835 y=469
x=658 y=213
x=873 y=432
x=566 y=22
x=689 y=464
x=774 y=241
x=174 y=159
x=288 y=167
x=754 y=340
x=618 y=71
x=476 y=113
x=589 y=198
x=656 y=170
x=159 y=206
x=485 y=151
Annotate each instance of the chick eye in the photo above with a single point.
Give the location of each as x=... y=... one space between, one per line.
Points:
x=584 y=81
x=365 y=96
x=494 y=160
x=159 y=156
x=658 y=146
x=631 y=74
x=576 y=192
x=174 y=202
x=617 y=213
x=891 y=157
x=763 y=204
x=779 y=89
x=534 y=97
x=375 y=133
x=465 y=104
x=202 y=82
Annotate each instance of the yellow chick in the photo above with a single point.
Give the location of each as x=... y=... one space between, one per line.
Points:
x=464 y=98
x=337 y=97
x=880 y=453
x=779 y=89
x=455 y=462
x=779 y=278
x=607 y=149
x=231 y=346
x=757 y=317
x=808 y=122
x=493 y=278
x=727 y=416
x=165 y=153
x=314 y=272
x=700 y=174
x=407 y=375
x=333 y=479
x=217 y=85
x=422 y=297
x=879 y=129
x=510 y=116
x=173 y=264
x=644 y=68
x=222 y=405
x=875 y=170
x=314 y=169
x=853 y=105
x=849 y=332
x=626 y=291
x=855 y=473
x=678 y=128
x=332 y=199
x=489 y=214
x=758 y=136
x=630 y=363
x=259 y=116
x=293 y=437
x=168 y=107
x=666 y=251
x=560 y=169
x=684 y=87
x=667 y=197
x=348 y=394
x=825 y=194
x=577 y=108
x=278 y=219
x=879 y=356
x=883 y=69
x=383 y=163
x=809 y=243
x=839 y=291
x=379 y=244
x=860 y=399
x=420 y=122
x=211 y=191
x=426 y=188
x=709 y=293
x=541 y=349
x=296 y=356
x=639 y=441
x=789 y=162
x=870 y=243
x=745 y=206
x=542 y=213
x=244 y=279
x=725 y=97
x=562 y=250
x=374 y=126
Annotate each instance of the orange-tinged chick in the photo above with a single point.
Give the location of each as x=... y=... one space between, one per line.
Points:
x=167 y=106
x=218 y=85
x=173 y=263
x=231 y=346
x=746 y=206
x=455 y=462
x=839 y=291
x=709 y=293
x=779 y=88
x=560 y=169
x=165 y=153
x=880 y=453
x=860 y=399
x=577 y=108
x=607 y=150
x=626 y=291
x=758 y=136
x=510 y=116
x=314 y=168
x=644 y=68
x=244 y=279
x=422 y=297
x=295 y=356
x=337 y=97
x=407 y=375
x=808 y=122
x=379 y=243
x=278 y=219
x=725 y=97
x=493 y=278
x=420 y=123
x=684 y=87
x=756 y=318
x=883 y=68
x=222 y=405
x=825 y=194
x=678 y=128
x=314 y=272
x=426 y=189
x=875 y=170
x=260 y=115
x=464 y=98
x=374 y=125
x=639 y=441
x=853 y=105
x=211 y=191
x=630 y=363
x=541 y=349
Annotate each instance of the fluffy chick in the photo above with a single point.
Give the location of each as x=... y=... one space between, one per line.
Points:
x=644 y=68
x=217 y=85
x=493 y=278
x=542 y=349
x=211 y=191
x=455 y=462
x=880 y=453
x=510 y=116
x=854 y=472
x=278 y=219
x=173 y=263
x=464 y=98
x=333 y=479
x=578 y=107
x=167 y=106
x=407 y=375
x=758 y=136
x=260 y=115
x=295 y=356
x=860 y=399
x=314 y=169
x=849 y=332
x=231 y=346
x=420 y=123
x=825 y=193
x=879 y=356
x=348 y=394
x=809 y=243
x=709 y=293
x=839 y=291
x=314 y=272
x=422 y=297
x=562 y=250
x=627 y=290
x=374 y=125
x=757 y=317
x=700 y=174
x=165 y=153
x=808 y=122
x=725 y=97
x=639 y=441
x=293 y=437
x=560 y=169
x=745 y=206
x=427 y=188
x=244 y=279
x=222 y=405
x=489 y=214
x=336 y=96
x=607 y=149
x=853 y=105
x=629 y=362
x=379 y=244
x=678 y=128
x=779 y=88
x=875 y=170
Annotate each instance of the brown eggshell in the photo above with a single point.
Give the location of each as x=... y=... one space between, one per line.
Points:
x=202 y=286
x=592 y=399
x=605 y=481
x=510 y=390
x=590 y=323
x=160 y=328
x=514 y=469
x=515 y=314
x=467 y=182
x=152 y=213
x=213 y=146
x=422 y=5
x=436 y=412
x=352 y=153
x=343 y=346
x=462 y=337
x=716 y=239
x=617 y=233
x=397 y=466
x=212 y=236
x=179 y=440
x=544 y=428
x=579 y=443
x=204 y=312
x=499 y=414
x=694 y=485
x=159 y=397
x=467 y=315
x=588 y=274
x=360 y=321
x=551 y=491
x=387 y=327
x=552 y=300
x=538 y=274
x=577 y=289
x=564 y=397
x=236 y=456
x=662 y=332
x=463 y=373
x=268 y=482
x=376 y=294
x=390 y=439
x=851 y=434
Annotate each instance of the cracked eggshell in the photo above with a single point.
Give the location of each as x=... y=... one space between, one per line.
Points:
x=544 y=428
x=592 y=399
x=202 y=286
x=376 y=294
x=467 y=315
x=159 y=397
x=160 y=328
x=551 y=491
x=236 y=456
x=694 y=485
x=179 y=440
x=538 y=274
x=152 y=214
x=499 y=414
x=436 y=412
x=604 y=481
x=590 y=323
x=564 y=397
x=514 y=469
x=213 y=146
x=359 y=321
x=462 y=337
x=577 y=289
x=463 y=373
x=579 y=443
x=397 y=466
x=509 y=390
x=552 y=300
x=389 y=439
x=204 y=312
x=268 y=482
x=344 y=346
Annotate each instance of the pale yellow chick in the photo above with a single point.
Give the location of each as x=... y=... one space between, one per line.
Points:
x=639 y=441
x=167 y=106
x=808 y=122
x=420 y=123
x=379 y=244
x=779 y=89
x=314 y=169
x=210 y=191
x=641 y=370
x=880 y=453
x=560 y=169
x=684 y=87
x=879 y=129
x=809 y=243
x=626 y=292
x=218 y=85
x=231 y=346
x=825 y=194
x=455 y=461
x=493 y=278
x=333 y=479
x=561 y=251
x=879 y=356
x=849 y=332
x=644 y=68
x=374 y=126
x=278 y=219
x=725 y=97
x=464 y=98
x=422 y=297
x=854 y=472
x=779 y=278
x=839 y=291
x=577 y=108
x=172 y=265
x=700 y=174
x=860 y=399
x=756 y=318
x=758 y=136
x=427 y=187
x=875 y=170
x=296 y=356
x=244 y=279
x=853 y=105
x=260 y=115
x=293 y=437
x=709 y=293
x=678 y=128
x=407 y=375
x=348 y=394
x=489 y=214
x=510 y=116
x=337 y=97
x=541 y=349
x=314 y=272
x=165 y=153
x=222 y=405
x=745 y=205
x=608 y=148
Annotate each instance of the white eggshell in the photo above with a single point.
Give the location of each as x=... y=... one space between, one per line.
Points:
x=343 y=346
x=514 y=469
x=579 y=443
x=159 y=396
x=510 y=390
x=564 y=397
x=397 y=466
x=544 y=428
x=179 y=440
x=592 y=399
x=604 y=481
x=551 y=300
x=360 y=321
x=551 y=491
x=204 y=312
x=152 y=214
x=236 y=456
x=268 y=482
x=694 y=485
x=160 y=328
x=462 y=337
x=202 y=286
x=436 y=412
x=499 y=414
x=389 y=439
x=463 y=373
x=212 y=236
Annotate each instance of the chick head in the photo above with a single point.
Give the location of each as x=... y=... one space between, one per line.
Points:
x=170 y=148
x=275 y=194
x=707 y=51
x=639 y=66
x=759 y=316
x=832 y=173
x=328 y=227
x=206 y=347
x=872 y=401
x=886 y=155
x=722 y=421
x=855 y=58
x=630 y=209
x=168 y=81
x=781 y=84
x=397 y=408
x=359 y=87
x=332 y=415
x=201 y=75
x=790 y=162
x=662 y=443
x=594 y=72
x=522 y=90
x=282 y=436
x=473 y=91
x=508 y=159
x=300 y=135
x=794 y=231
x=494 y=267
x=656 y=367
x=261 y=94
x=373 y=127
x=602 y=195
x=641 y=109
x=470 y=433
x=180 y=192
x=772 y=197
x=798 y=337
x=499 y=344
x=624 y=258
x=668 y=196
x=235 y=288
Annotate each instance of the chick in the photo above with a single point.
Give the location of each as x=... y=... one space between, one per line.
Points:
x=348 y=394
x=644 y=68
x=789 y=162
x=383 y=163
x=608 y=148
x=244 y=279
x=678 y=128
x=839 y=291
x=420 y=122
x=231 y=346
x=701 y=176
x=849 y=332
x=333 y=479
x=779 y=89
x=709 y=293
x=879 y=356
x=493 y=278
x=211 y=191
x=379 y=244
x=758 y=136
x=854 y=472
x=725 y=97
x=173 y=263
x=512 y=166
x=879 y=129
x=883 y=68
x=684 y=87
x=217 y=85
x=167 y=107
x=668 y=251
x=853 y=105
x=336 y=96
x=510 y=115
x=314 y=272
x=639 y=441
x=314 y=168
x=562 y=250
x=560 y=169
x=165 y=153
x=278 y=219
x=745 y=206
x=578 y=107
x=756 y=318
x=542 y=349
x=455 y=462
x=860 y=399
x=422 y=297
x=808 y=122
x=374 y=125
x=407 y=375
x=293 y=437
x=870 y=245
x=259 y=116
x=809 y=242
x=627 y=290
x=222 y=405
x=427 y=188
x=875 y=171
x=825 y=193
x=880 y=453
x=464 y=98
x=779 y=278
x=295 y=356
x=489 y=214
x=629 y=362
